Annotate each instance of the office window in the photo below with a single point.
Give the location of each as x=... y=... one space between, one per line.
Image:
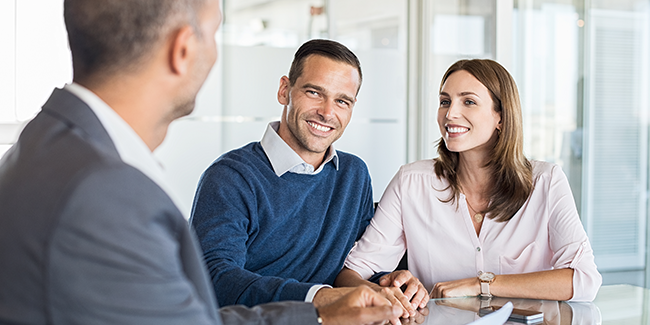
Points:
x=582 y=69
x=617 y=144
x=35 y=59
x=456 y=30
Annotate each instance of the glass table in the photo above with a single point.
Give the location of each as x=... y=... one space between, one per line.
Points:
x=614 y=304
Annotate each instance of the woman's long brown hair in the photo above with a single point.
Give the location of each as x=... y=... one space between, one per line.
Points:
x=510 y=171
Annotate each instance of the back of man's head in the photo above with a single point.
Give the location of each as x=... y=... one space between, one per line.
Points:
x=110 y=36
x=329 y=49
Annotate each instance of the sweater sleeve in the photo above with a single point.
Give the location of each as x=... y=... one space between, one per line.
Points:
x=568 y=239
x=367 y=206
x=224 y=217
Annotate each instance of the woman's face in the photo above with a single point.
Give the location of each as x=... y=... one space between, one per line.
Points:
x=466 y=114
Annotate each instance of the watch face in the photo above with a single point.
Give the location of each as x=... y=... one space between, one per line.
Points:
x=486 y=276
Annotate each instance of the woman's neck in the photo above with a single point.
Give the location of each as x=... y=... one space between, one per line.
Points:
x=473 y=177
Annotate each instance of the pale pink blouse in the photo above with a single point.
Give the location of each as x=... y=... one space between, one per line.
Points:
x=545 y=234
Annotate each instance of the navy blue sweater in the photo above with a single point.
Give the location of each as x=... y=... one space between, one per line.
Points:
x=267 y=238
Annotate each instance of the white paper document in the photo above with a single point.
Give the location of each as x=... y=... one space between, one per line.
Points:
x=498 y=317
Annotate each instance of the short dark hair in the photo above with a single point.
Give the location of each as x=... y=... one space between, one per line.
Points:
x=106 y=36
x=327 y=48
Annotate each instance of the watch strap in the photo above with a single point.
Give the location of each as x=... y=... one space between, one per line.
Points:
x=485 y=288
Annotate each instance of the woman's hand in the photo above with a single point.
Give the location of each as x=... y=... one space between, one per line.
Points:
x=456 y=288
x=414 y=295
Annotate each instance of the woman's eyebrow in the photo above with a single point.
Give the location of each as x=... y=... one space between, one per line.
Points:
x=464 y=93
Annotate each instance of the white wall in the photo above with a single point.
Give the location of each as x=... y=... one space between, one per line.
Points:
x=35 y=59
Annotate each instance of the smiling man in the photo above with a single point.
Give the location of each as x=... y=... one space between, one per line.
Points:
x=276 y=218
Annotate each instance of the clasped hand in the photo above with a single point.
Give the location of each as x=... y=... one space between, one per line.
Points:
x=413 y=295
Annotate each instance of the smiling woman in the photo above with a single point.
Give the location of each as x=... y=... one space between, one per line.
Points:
x=480 y=219
x=466 y=108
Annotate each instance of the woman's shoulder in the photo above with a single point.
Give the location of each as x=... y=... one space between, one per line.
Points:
x=543 y=170
x=543 y=167
x=422 y=167
x=420 y=171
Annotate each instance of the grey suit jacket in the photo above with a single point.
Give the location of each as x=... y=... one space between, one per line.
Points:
x=87 y=239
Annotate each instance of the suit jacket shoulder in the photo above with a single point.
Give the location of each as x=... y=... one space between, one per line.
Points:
x=80 y=228
x=88 y=239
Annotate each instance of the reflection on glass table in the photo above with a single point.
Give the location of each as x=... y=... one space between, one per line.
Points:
x=614 y=304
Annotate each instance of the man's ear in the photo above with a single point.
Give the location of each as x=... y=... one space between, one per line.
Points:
x=182 y=50
x=284 y=90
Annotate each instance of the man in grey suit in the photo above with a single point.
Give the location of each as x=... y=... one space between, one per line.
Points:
x=88 y=233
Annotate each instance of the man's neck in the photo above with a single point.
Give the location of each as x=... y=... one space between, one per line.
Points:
x=139 y=110
x=313 y=158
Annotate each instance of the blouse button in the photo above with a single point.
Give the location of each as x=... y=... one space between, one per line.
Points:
x=478 y=249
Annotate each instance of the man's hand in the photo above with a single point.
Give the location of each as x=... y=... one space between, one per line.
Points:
x=456 y=288
x=326 y=296
x=359 y=307
x=415 y=295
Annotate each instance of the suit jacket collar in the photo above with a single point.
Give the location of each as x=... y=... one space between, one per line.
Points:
x=69 y=108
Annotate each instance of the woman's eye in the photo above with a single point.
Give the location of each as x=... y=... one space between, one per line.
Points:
x=470 y=102
x=445 y=102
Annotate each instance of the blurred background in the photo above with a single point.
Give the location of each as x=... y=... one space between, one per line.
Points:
x=582 y=68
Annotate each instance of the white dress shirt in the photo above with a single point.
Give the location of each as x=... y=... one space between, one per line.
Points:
x=283 y=159
x=545 y=234
x=131 y=148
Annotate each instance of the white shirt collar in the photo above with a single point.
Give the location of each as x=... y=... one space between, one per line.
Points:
x=131 y=148
x=283 y=159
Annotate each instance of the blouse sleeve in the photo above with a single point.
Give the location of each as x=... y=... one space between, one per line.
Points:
x=568 y=239
x=382 y=245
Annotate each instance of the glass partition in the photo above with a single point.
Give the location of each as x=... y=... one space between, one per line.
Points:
x=34 y=59
x=457 y=29
x=259 y=40
x=582 y=68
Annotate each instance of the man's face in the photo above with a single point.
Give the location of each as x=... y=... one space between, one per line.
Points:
x=206 y=55
x=318 y=106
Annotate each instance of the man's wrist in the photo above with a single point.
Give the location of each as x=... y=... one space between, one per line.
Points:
x=314 y=290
